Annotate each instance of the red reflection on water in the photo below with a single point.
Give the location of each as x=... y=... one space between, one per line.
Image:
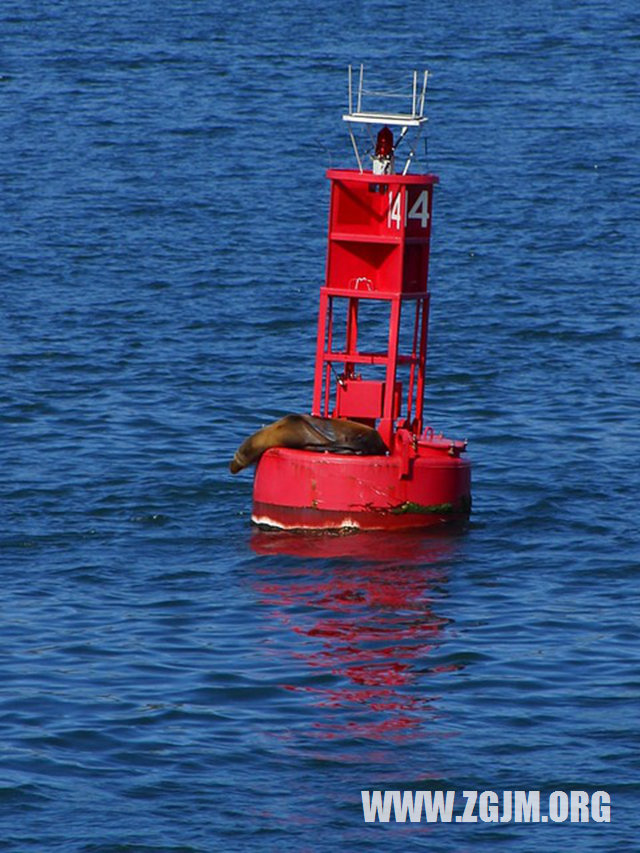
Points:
x=411 y=547
x=366 y=626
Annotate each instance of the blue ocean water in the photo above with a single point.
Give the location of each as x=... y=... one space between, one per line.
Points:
x=173 y=680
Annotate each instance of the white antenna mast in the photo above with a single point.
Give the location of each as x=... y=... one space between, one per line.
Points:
x=414 y=118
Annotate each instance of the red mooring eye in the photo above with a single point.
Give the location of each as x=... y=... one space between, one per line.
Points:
x=384 y=143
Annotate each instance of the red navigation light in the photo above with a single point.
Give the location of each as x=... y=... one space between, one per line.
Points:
x=384 y=143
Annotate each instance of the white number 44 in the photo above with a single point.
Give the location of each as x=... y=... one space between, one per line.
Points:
x=419 y=210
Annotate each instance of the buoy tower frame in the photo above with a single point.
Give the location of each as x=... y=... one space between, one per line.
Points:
x=377 y=261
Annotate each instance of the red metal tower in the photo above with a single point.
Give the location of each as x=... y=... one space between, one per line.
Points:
x=371 y=352
x=378 y=254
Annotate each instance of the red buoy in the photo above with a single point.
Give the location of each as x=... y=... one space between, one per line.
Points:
x=371 y=358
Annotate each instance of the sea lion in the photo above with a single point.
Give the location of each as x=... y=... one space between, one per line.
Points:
x=306 y=432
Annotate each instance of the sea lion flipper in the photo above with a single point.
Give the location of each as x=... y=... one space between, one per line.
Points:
x=321 y=428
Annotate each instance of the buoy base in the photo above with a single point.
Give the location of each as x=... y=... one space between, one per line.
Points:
x=301 y=518
x=419 y=485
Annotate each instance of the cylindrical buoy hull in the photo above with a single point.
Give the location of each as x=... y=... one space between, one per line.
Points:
x=305 y=490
